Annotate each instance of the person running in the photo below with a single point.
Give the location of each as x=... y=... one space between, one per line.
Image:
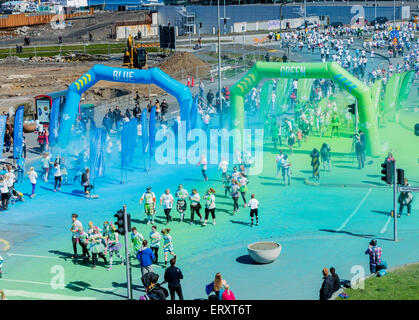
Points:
x=167 y=245
x=181 y=195
x=254 y=206
x=57 y=176
x=209 y=205
x=223 y=166
x=46 y=159
x=243 y=181
x=96 y=247
x=113 y=245
x=76 y=226
x=227 y=185
x=155 y=242
x=149 y=205
x=84 y=241
x=195 y=199
x=136 y=240
x=32 y=177
x=166 y=200
x=235 y=174
x=204 y=167
x=235 y=194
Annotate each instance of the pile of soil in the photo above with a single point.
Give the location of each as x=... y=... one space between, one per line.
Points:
x=180 y=65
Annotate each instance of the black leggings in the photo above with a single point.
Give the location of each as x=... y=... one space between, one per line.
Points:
x=204 y=174
x=156 y=253
x=74 y=241
x=4 y=200
x=235 y=203
x=101 y=255
x=57 y=182
x=167 y=213
x=193 y=210
x=208 y=211
x=243 y=196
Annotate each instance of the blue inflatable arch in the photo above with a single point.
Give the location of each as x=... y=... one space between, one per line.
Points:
x=100 y=72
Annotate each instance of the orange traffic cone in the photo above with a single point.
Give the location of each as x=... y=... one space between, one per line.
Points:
x=193 y=82
x=212 y=78
x=188 y=84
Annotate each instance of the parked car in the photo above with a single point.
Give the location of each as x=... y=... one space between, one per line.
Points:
x=379 y=20
x=308 y=24
x=336 y=24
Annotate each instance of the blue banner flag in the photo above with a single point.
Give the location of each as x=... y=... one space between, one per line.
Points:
x=144 y=130
x=128 y=141
x=97 y=153
x=18 y=133
x=194 y=113
x=152 y=130
x=53 y=121
x=3 y=120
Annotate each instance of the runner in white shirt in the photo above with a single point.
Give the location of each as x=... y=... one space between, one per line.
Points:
x=76 y=226
x=57 y=177
x=166 y=199
x=32 y=177
x=4 y=189
x=223 y=166
x=254 y=205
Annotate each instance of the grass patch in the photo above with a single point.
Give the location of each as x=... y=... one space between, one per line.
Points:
x=400 y=284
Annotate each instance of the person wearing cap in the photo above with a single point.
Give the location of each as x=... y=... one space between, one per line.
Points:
x=149 y=205
x=326 y=290
x=375 y=253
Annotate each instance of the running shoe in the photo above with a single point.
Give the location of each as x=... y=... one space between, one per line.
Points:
x=213 y=223
x=109 y=269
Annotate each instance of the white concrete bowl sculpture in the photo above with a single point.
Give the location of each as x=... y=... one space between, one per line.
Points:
x=264 y=251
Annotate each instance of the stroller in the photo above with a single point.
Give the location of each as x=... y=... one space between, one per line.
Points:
x=154 y=291
x=16 y=196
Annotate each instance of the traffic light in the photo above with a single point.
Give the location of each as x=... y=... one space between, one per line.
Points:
x=120 y=222
x=225 y=21
x=200 y=25
x=386 y=172
x=400 y=176
x=351 y=108
x=417 y=129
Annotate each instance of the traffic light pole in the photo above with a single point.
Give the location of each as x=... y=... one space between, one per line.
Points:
x=395 y=199
x=356 y=116
x=127 y=256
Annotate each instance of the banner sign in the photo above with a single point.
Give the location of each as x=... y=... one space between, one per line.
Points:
x=18 y=133
x=53 y=121
x=3 y=120
x=97 y=153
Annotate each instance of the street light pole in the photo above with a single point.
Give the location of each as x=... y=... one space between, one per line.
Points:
x=394 y=198
x=375 y=10
x=394 y=13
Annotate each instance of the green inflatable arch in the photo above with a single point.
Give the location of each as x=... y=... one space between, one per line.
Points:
x=330 y=70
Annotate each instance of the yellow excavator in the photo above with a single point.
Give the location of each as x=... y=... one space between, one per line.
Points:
x=135 y=56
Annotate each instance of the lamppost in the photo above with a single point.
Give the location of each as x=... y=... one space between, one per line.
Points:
x=219 y=57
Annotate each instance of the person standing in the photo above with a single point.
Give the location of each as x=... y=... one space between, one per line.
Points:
x=209 y=205
x=84 y=241
x=405 y=199
x=4 y=193
x=326 y=290
x=172 y=276
x=155 y=243
x=32 y=177
x=285 y=167
x=76 y=226
x=204 y=167
x=146 y=257
x=46 y=159
x=223 y=165
x=254 y=206
x=57 y=176
x=195 y=205
x=166 y=200
x=359 y=150
x=20 y=163
x=149 y=205
x=325 y=155
x=375 y=253
x=181 y=195
x=85 y=181
x=167 y=245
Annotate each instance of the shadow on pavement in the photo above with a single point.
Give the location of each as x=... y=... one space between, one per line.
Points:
x=360 y=235
x=245 y=260
x=81 y=286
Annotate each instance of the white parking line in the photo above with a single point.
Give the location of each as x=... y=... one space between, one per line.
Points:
x=355 y=211
x=386 y=225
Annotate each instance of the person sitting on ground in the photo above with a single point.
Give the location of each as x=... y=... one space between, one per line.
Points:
x=217 y=286
x=326 y=290
x=336 y=280
x=228 y=294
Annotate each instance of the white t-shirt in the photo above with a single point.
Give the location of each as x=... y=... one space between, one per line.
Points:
x=167 y=200
x=57 y=171
x=32 y=176
x=253 y=203
x=10 y=178
x=223 y=165
x=45 y=162
x=76 y=226
x=3 y=187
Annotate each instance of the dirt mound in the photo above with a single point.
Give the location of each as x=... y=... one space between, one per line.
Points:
x=180 y=65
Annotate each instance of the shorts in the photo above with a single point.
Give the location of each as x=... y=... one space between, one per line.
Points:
x=253 y=212
x=149 y=209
